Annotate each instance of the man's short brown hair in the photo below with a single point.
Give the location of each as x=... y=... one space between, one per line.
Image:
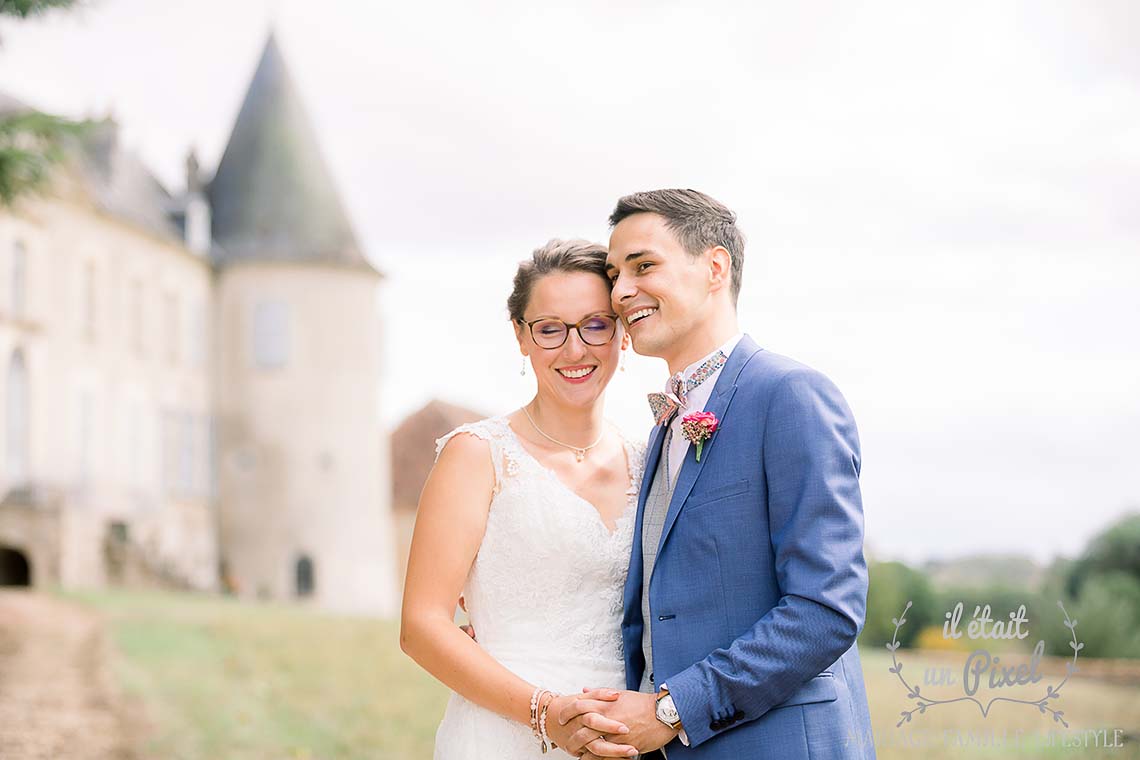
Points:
x=699 y=221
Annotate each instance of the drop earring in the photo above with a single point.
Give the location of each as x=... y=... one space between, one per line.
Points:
x=622 y=365
x=522 y=369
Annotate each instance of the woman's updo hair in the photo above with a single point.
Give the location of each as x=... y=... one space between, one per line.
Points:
x=555 y=256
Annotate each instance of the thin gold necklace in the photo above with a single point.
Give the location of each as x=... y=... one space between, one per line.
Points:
x=579 y=452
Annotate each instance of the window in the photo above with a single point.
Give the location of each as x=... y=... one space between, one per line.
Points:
x=270 y=334
x=17 y=409
x=19 y=282
x=86 y=435
x=180 y=458
x=186 y=458
x=172 y=327
x=169 y=449
x=137 y=317
x=87 y=299
x=198 y=335
x=135 y=445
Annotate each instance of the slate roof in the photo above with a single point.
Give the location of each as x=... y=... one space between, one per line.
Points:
x=273 y=197
x=115 y=179
x=121 y=185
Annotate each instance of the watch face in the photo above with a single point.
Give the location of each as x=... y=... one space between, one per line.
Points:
x=667 y=711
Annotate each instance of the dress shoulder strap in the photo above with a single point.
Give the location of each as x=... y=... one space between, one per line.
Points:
x=497 y=433
x=635 y=452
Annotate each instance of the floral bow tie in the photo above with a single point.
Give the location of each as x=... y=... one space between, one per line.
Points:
x=665 y=405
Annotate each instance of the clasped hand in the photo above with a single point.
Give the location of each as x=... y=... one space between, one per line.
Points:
x=590 y=725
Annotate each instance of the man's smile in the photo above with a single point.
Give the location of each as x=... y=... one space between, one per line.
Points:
x=634 y=317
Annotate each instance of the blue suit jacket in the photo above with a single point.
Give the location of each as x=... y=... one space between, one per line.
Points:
x=760 y=585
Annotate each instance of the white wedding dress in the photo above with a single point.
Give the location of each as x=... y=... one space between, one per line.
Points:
x=544 y=593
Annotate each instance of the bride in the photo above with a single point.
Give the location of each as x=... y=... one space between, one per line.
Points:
x=530 y=517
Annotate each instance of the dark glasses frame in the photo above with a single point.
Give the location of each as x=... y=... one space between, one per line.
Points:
x=576 y=326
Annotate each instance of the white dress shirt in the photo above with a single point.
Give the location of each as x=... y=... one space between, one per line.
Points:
x=695 y=401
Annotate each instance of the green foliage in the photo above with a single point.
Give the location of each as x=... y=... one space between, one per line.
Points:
x=1100 y=590
x=30 y=144
x=892 y=585
x=1108 y=619
x=1117 y=549
x=25 y=8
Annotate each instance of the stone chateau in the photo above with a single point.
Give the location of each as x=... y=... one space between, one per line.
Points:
x=189 y=382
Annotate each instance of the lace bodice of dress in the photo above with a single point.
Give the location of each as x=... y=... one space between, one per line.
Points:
x=546 y=584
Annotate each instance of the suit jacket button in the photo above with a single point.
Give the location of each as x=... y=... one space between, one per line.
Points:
x=738 y=715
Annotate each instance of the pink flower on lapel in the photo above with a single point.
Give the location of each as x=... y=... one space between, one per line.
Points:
x=698 y=427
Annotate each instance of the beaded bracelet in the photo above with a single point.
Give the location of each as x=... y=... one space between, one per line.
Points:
x=534 y=711
x=544 y=738
x=535 y=725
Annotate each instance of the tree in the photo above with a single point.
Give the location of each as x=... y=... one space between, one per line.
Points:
x=1117 y=549
x=892 y=585
x=25 y=8
x=30 y=141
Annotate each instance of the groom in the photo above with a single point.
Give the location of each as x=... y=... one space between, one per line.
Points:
x=747 y=584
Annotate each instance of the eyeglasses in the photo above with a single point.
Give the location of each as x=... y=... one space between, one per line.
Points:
x=594 y=330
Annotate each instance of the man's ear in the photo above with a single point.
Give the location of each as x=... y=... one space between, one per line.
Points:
x=720 y=268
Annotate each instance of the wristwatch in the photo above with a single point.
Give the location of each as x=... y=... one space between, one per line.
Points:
x=667 y=711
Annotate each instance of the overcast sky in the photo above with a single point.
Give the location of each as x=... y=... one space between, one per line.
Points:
x=942 y=203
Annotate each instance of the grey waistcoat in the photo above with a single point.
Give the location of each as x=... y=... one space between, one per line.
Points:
x=652 y=523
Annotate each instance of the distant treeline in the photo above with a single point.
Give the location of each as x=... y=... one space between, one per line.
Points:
x=1100 y=590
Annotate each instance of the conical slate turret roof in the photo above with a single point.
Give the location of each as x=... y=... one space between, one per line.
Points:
x=272 y=196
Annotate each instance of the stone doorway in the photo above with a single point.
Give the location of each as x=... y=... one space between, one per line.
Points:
x=306 y=581
x=15 y=570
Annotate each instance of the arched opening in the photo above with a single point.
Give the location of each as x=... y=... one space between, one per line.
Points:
x=306 y=576
x=16 y=434
x=14 y=568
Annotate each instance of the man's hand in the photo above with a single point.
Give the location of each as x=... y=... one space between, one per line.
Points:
x=636 y=711
x=468 y=629
x=592 y=732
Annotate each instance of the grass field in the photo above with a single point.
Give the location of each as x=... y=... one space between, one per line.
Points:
x=214 y=679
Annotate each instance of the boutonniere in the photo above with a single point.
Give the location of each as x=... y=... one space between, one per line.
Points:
x=698 y=427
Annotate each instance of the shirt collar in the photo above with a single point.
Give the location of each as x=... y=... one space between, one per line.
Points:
x=727 y=349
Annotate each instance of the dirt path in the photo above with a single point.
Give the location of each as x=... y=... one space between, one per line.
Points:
x=56 y=699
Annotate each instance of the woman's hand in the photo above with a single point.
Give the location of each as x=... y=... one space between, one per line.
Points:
x=593 y=732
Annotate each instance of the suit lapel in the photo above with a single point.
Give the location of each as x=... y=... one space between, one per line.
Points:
x=718 y=403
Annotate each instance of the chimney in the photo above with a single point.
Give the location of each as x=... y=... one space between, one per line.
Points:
x=197 y=225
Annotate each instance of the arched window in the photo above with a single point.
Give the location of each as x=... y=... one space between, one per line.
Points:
x=19 y=281
x=306 y=576
x=16 y=407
